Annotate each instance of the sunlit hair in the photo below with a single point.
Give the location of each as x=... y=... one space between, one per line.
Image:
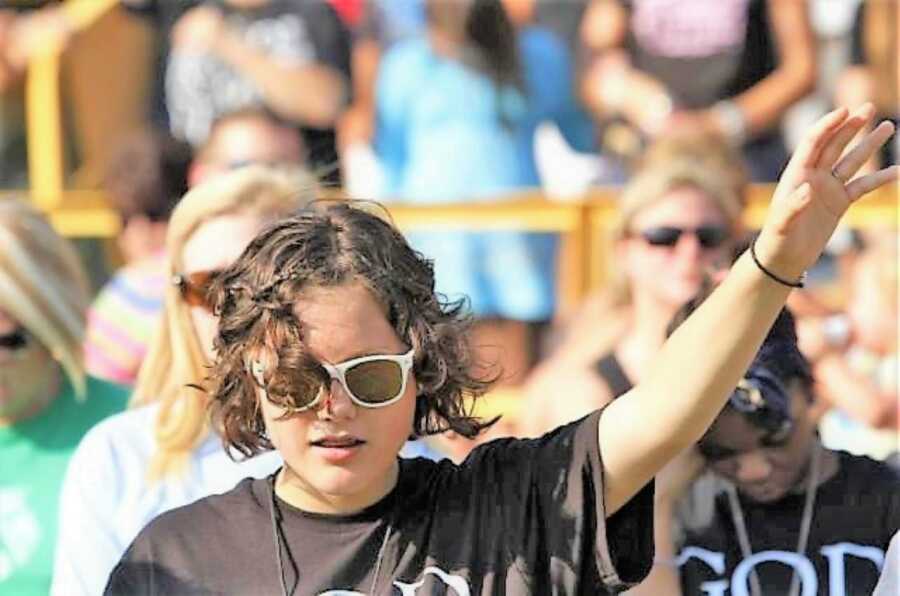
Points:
x=708 y=149
x=327 y=245
x=43 y=285
x=175 y=359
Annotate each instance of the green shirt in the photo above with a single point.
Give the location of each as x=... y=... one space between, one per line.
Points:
x=33 y=459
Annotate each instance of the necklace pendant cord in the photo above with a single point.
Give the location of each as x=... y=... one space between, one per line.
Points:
x=275 y=516
x=740 y=524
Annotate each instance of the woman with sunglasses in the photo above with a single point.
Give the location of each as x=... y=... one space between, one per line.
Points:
x=47 y=401
x=161 y=454
x=678 y=221
x=317 y=321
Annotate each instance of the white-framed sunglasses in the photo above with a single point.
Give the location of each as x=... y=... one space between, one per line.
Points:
x=372 y=381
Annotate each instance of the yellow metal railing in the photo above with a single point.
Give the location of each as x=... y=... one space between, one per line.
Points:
x=584 y=226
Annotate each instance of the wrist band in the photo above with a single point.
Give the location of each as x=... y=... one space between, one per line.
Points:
x=781 y=280
x=732 y=121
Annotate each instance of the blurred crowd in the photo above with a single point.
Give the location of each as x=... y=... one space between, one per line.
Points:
x=240 y=111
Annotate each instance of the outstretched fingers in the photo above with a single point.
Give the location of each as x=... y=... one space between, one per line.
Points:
x=845 y=133
x=869 y=182
x=810 y=149
x=860 y=154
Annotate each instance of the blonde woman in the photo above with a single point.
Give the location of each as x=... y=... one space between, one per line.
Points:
x=47 y=401
x=678 y=221
x=161 y=454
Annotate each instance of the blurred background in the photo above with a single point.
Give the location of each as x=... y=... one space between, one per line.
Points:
x=500 y=135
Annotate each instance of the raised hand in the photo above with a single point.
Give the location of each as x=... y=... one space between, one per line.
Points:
x=817 y=188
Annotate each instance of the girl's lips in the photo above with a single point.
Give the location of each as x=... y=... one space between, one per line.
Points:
x=338 y=454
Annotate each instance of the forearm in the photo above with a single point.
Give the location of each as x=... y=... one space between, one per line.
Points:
x=663 y=577
x=765 y=102
x=288 y=89
x=692 y=377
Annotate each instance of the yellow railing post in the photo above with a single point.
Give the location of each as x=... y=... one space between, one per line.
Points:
x=45 y=141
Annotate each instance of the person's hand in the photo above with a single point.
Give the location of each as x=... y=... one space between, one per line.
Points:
x=356 y=125
x=693 y=122
x=817 y=188
x=46 y=31
x=199 y=29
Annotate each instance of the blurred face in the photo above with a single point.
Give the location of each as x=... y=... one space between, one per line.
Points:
x=341 y=457
x=248 y=141
x=213 y=246
x=25 y=386
x=669 y=270
x=735 y=449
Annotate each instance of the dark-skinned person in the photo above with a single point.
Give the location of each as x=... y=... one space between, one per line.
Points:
x=333 y=348
x=775 y=512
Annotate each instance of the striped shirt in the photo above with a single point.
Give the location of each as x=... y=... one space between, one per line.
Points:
x=122 y=319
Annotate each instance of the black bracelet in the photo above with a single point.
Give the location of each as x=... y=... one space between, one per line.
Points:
x=782 y=281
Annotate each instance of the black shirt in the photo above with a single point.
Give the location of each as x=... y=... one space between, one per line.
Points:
x=517 y=517
x=856 y=513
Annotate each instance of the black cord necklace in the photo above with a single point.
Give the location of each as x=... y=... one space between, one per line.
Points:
x=277 y=538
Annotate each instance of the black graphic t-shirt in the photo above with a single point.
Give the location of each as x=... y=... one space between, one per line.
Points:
x=517 y=517
x=856 y=513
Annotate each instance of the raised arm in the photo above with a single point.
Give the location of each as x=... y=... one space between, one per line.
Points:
x=701 y=362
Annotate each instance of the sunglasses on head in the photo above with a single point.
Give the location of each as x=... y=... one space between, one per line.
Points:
x=15 y=340
x=708 y=236
x=195 y=287
x=370 y=381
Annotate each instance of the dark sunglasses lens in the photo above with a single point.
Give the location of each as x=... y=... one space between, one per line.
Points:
x=16 y=340
x=711 y=236
x=663 y=236
x=375 y=381
x=195 y=288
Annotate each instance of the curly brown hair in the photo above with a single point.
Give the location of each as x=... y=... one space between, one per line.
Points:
x=325 y=245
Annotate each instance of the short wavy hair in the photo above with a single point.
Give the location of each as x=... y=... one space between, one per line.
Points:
x=325 y=245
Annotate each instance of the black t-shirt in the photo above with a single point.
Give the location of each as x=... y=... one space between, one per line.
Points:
x=517 y=517
x=856 y=513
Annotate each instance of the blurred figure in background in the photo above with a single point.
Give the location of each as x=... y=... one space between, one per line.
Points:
x=456 y=114
x=383 y=23
x=855 y=358
x=730 y=66
x=874 y=71
x=678 y=223
x=291 y=57
x=773 y=493
x=146 y=178
x=47 y=400
x=161 y=453
x=245 y=137
x=26 y=29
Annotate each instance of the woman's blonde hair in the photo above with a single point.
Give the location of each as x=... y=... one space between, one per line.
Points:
x=43 y=286
x=175 y=359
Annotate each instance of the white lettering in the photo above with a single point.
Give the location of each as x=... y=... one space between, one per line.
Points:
x=740 y=577
x=835 y=554
x=714 y=560
x=458 y=584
